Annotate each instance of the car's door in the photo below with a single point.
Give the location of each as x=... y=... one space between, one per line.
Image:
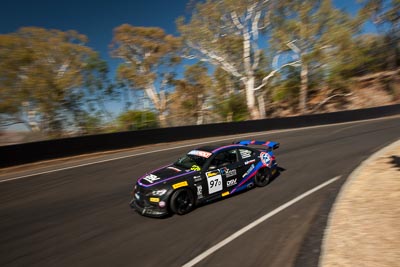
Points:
x=248 y=159
x=222 y=173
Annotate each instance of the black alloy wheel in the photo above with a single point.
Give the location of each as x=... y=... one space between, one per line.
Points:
x=262 y=177
x=182 y=201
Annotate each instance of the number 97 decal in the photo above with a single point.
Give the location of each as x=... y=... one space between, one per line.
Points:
x=214 y=181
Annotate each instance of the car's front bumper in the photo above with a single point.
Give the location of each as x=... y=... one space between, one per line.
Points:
x=143 y=206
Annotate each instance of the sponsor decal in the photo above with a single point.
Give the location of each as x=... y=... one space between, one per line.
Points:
x=245 y=153
x=199 y=191
x=228 y=173
x=173 y=168
x=231 y=182
x=247 y=162
x=203 y=154
x=225 y=194
x=212 y=173
x=151 y=178
x=197 y=178
x=265 y=159
x=154 y=199
x=195 y=168
x=159 y=192
x=162 y=204
x=181 y=184
x=249 y=170
x=214 y=181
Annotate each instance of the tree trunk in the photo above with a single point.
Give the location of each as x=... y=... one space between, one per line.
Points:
x=159 y=103
x=250 y=99
x=250 y=80
x=200 y=110
x=162 y=119
x=261 y=106
x=33 y=125
x=303 y=88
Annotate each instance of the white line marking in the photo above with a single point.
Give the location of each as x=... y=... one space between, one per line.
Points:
x=182 y=146
x=235 y=235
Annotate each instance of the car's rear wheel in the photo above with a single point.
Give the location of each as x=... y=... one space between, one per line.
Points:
x=182 y=201
x=262 y=178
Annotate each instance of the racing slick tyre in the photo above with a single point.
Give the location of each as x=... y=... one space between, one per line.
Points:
x=182 y=201
x=262 y=177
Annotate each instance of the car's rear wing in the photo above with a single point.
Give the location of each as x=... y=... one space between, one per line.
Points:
x=269 y=144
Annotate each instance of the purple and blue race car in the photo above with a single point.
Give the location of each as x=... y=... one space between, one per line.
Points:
x=205 y=174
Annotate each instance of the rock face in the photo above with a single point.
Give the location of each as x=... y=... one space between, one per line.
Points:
x=375 y=90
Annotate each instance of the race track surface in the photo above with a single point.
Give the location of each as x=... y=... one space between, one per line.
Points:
x=81 y=217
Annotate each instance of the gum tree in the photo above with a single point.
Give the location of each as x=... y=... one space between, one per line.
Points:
x=227 y=34
x=315 y=31
x=148 y=53
x=41 y=77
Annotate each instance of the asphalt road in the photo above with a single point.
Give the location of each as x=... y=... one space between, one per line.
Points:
x=80 y=216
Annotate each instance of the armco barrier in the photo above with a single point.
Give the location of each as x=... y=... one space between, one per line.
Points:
x=36 y=151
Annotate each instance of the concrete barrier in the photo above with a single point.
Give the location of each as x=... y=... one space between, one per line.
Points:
x=36 y=151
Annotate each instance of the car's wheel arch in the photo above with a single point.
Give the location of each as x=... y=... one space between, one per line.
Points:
x=262 y=182
x=188 y=188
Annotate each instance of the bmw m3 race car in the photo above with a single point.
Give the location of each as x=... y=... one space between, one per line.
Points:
x=202 y=175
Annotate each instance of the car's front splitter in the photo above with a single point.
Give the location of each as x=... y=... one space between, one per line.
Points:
x=150 y=211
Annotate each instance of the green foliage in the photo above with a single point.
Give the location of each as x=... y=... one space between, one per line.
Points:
x=226 y=34
x=287 y=89
x=91 y=124
x=322 y=36
x=232 y=108
x=41 y=78
x=136 y=120
x=99 y=88
x=148 y=53
x=188 y=100
x=229 y=100
x=386 y=16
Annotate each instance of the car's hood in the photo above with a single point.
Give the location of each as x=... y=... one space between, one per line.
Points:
x=163 y=174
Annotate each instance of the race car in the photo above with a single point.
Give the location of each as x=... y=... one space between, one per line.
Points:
x=203 y=175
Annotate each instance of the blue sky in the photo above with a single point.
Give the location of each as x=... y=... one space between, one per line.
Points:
x=97 y=19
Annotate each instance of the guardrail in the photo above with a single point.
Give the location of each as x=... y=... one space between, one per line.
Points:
x=17 y=154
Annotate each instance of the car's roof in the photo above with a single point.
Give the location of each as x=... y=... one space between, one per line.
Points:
x=213 y=148
x=207 y=148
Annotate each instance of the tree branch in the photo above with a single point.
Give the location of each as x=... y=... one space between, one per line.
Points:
x=257 y=57
x=272 y=74
x=250 y=11
x=236 y=21
x=217 y=60
x=254 y=27
x=328 y=99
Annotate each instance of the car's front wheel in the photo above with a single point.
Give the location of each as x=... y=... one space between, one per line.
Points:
x=182 y=201
x=262 y=177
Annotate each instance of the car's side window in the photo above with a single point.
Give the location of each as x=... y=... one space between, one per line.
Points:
x=246 y=153
x=225 y=158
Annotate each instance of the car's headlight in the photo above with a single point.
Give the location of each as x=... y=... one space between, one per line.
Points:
x=159 y=192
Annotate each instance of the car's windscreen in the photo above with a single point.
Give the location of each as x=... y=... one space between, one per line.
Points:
x=190 y=162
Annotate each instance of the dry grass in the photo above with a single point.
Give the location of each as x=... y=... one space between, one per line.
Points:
x=364 y=227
